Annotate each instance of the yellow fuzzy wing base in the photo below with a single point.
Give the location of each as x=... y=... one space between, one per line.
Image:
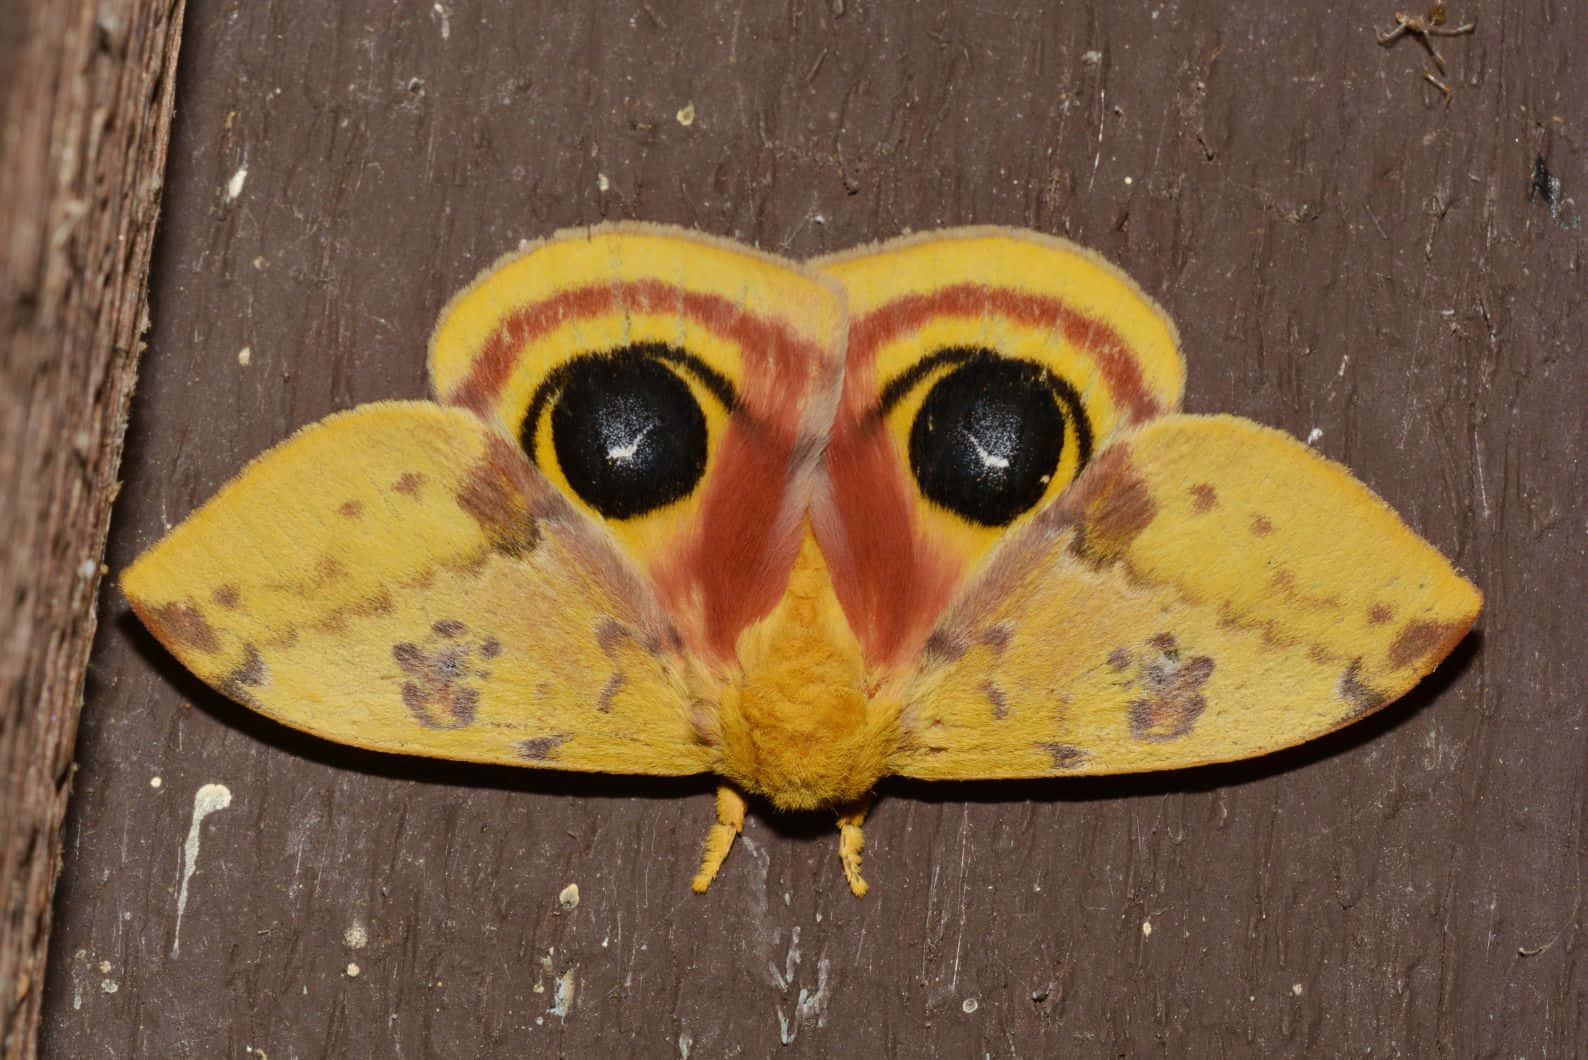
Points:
x=398 y=577
x=1209 y=590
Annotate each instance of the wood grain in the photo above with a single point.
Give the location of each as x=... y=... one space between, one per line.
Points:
x=1348 y=256
x=85 y=101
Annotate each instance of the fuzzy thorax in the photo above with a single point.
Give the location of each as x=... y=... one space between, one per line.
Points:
x=801 y=726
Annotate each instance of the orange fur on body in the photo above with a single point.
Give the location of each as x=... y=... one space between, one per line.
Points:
x=801 y=727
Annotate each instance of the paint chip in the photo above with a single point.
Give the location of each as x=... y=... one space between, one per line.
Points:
x=245 y=355
x=602 y=183
x=155 y=782
x=109 y=986
x=969 y=1005
x=1296 y=989
x=568 y=897
x=686 y=114
x=353 y=970
x=234 y=187
x=1146 y=929
x=1091 y=58
x=355 y=937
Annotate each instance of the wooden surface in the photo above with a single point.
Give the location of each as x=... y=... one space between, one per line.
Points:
x=85 y=108
x=1345 y=252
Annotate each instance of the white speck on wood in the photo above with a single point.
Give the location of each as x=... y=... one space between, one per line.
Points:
x=206 y=800
x=1146 y=929
x=686 y=115
x=355 y=937
x=969 y=1005
x=234 y=187
x=245 y=355
x=1313 y=435
x=446 y=22
x=353 y=970
x=568 y=897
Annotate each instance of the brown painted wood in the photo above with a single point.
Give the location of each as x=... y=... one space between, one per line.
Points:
x=85 y=102
x=1345 y=252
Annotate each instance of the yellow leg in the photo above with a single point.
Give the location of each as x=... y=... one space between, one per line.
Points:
x=730 y=822
x=850 y=842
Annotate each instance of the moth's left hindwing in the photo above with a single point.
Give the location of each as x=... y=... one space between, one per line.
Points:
x=548 y=574
x=737 y=357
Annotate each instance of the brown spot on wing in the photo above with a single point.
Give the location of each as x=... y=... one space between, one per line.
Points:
x=183 y=624
x=1379 y=614
x=227 y=596
x=350 y=509
x=541 y=748
x=441 y=692
x=493 y=495
x=609 y=692
x=996 y=696
x=329 y=568
x=1261 y=526
x=409 y=483
x=1065 y=756
x=1116 y=506
x=1419 y=639
x=1363 y=698
x=250 y=673
x=945 y=645
x=1204 y=498
x=1172 y=699
x=449 y=628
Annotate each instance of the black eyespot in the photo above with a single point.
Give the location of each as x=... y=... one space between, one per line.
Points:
x=629 y=434
x=988 y=437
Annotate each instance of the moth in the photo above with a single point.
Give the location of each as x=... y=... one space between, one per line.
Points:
x=927 y=508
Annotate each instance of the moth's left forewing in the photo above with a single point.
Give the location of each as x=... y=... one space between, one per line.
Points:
x=1209 y=590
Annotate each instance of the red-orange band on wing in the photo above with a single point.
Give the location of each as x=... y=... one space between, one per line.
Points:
x=1114 y=359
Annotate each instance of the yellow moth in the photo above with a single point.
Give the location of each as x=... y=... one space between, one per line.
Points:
x=926 y=508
